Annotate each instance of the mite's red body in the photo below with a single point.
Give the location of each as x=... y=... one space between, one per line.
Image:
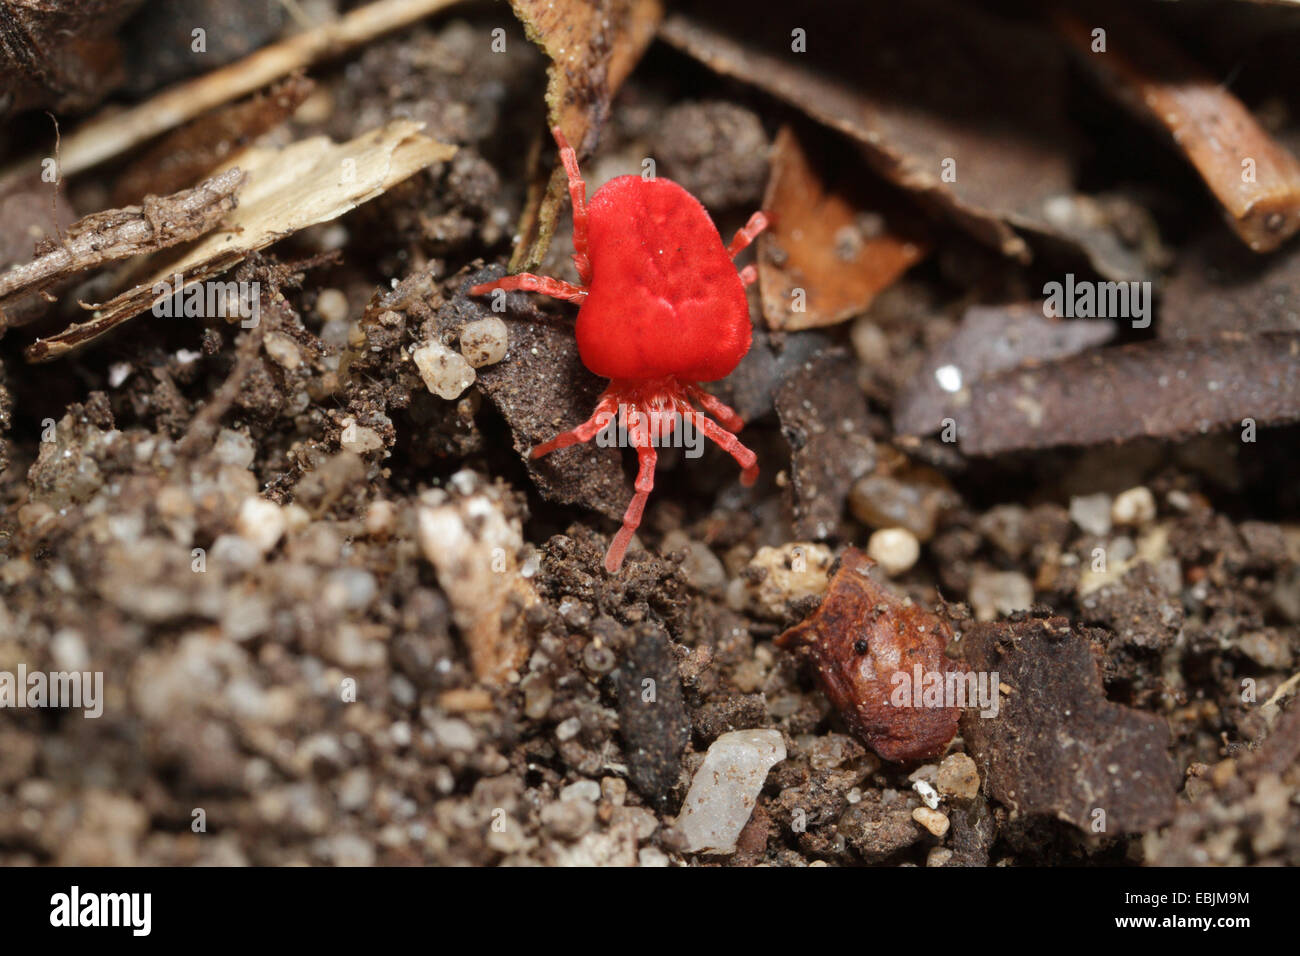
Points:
x=662 y=308
x=665 y=298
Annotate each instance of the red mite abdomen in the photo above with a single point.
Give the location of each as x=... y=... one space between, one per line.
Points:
x=665 y=298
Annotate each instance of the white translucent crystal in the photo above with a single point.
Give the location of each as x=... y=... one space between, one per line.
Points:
x=725 y=788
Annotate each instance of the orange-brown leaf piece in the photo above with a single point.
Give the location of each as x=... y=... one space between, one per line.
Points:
x=866 y=645
x=830 y=237
x=1254 y=178
x=593 y=46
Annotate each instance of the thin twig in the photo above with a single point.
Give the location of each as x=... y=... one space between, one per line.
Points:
x=114 y=133
x=120 y=233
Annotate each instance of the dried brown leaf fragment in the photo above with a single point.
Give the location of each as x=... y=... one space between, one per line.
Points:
x=834 y=243
x=593 y=46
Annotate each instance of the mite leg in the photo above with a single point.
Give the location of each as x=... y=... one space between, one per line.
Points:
x=645 y=482
x=716 y=407
x=745 y=235
x=555 y=288
x=585 y=432
x=578 y=194
x=729 y=443
x=748 y=275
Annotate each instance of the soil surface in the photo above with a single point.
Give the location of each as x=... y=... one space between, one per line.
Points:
x=343 y=620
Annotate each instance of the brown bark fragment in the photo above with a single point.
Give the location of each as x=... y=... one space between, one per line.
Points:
x=972 y=132
x=114 y=234
x=824 y=417
x=1057 y=746
x=182 y=157
x=1152 y=389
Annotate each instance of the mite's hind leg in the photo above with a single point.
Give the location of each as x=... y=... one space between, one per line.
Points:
x=716 y=407
x=645 y=482
x=729 y=443
x=585 y=432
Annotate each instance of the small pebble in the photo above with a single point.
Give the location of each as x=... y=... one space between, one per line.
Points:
x=234 y=552
x=282 y=349
x=869 y=342
x=69 y=650
x=928 y=794
x=958 y=777
x=725 y=788
x=1091 y=512
x=703 y=568
x=296 y=517
x=895 y=549
x=348 y=589
x=359 y=438
x=938 y=856
x=598 y=658
x=234 y=448
x=567 y=729
x=932 y=820
x=445 y=373
x=454 y=734
x=588 y=790
x=993 y=593
x=538 y=696
x=652 y=856
x=614 y=789
x=484 y=342
x=568 y=819
x=1007 y=526
x=331 y=305
x=914 y=503
x=1137 y=506
x=245 y=618
x=381 y=517
x=261 y=523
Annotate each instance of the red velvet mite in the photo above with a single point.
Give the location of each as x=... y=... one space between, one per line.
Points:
x=662 y=309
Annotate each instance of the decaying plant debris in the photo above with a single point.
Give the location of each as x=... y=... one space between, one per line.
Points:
x=1256 y=179
x=593 y=46
x=310 y=182
x=117 y=234
x=337 y=605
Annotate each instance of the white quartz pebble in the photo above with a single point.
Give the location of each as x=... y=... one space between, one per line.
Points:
x=725 y=788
